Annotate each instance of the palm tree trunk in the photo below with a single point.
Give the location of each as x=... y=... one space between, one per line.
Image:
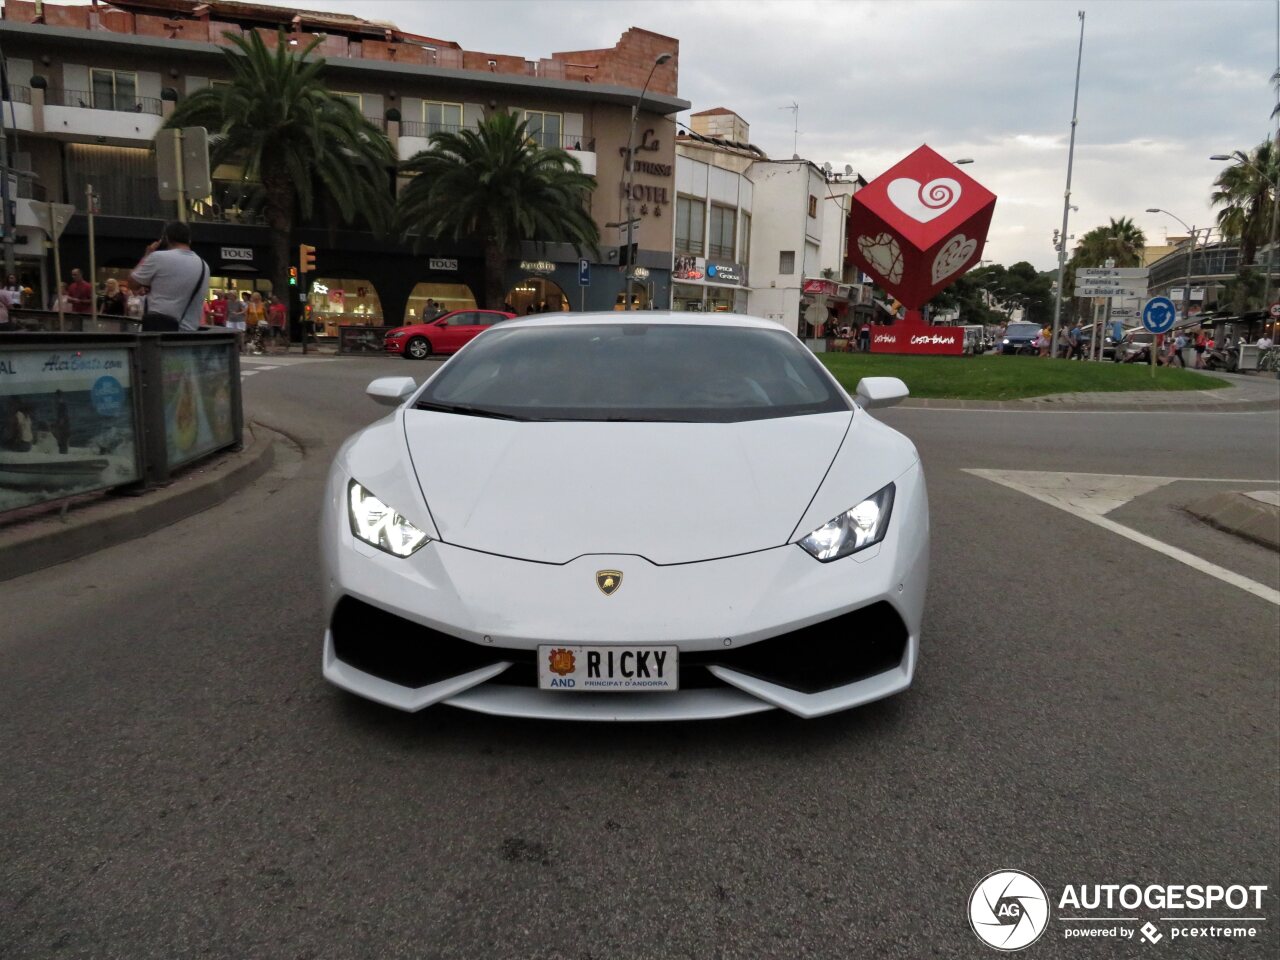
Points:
x=279 y=215
x=495 y=265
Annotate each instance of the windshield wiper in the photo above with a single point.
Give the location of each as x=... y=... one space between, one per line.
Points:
x=464 y=410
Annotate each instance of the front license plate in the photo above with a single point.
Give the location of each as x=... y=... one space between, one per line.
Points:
x=608 y=669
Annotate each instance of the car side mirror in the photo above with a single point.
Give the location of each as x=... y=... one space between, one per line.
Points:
x=391 y=391
x=880 y=392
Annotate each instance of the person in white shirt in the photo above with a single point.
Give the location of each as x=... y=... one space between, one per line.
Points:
x=1264 y=342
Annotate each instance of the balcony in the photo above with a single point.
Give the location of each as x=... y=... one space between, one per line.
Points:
x=78 y=114
x=17 y=107
x=415 y=138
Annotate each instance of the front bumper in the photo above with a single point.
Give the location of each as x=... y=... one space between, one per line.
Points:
x=772 y=629
x=394 y=344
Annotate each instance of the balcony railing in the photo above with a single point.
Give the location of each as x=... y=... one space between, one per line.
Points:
x=716 y=251
x=550 y=141
x=118 y=103
x=419 y=128
x=378 y=122
x=18 y=94
x=685 y=245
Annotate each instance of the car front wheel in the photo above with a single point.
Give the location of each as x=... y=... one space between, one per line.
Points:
x=419 y=348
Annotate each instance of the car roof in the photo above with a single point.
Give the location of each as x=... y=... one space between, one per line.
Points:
x=623 y=317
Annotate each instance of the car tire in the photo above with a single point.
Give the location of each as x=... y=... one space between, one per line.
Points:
x=419 y=348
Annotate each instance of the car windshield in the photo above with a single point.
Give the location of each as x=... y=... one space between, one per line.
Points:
x=1022 y=330
x=634 y=371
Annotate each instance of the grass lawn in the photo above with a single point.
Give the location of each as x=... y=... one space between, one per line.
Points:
x=1008 y=378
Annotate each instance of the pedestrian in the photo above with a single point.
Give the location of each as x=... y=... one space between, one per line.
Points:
x=174 y=275
x=62 y=300
x=14 y=290
x=1201 y=344
x=1179 y=344
x=430 y=311
x=237 y=312
x=81 y=293
x=113 y=301
x=278 y=317
x=135 y=303
x=864 y=338
x=256 y=317
x=1066 y=343
x=1264 y=342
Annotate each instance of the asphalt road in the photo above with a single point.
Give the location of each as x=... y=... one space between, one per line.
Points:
x=177 y=780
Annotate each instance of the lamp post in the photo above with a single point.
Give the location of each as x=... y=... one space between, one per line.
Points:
x=1275 y=210
x=1191 y=252
x=658 y=61
x=1066 y=197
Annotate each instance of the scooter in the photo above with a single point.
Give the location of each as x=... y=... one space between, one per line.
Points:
x=1222 y=359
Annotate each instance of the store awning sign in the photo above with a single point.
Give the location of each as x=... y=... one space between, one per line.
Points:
x=237 y=254
x=442 y=263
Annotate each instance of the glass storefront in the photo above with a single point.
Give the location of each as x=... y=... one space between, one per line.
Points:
x=537 y=295
x=447 y=297
x=338 y=303
x=708 y=299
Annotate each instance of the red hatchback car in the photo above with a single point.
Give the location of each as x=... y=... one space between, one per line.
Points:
x=445 y=334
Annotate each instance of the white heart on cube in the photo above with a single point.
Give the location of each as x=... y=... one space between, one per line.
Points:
x=884 y=255
x=924 y=202
x=954 y=254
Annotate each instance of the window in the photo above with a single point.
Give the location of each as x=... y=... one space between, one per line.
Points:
x=113 y=90
x=723 y=226
x=690 y=220
x=219 y=83
x=786 y=262
x=744 y=246
x=813 y=206
x=355 y=99
x=544 y=128
x=438 y=116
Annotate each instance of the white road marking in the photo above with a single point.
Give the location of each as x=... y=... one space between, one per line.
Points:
x=1089 y=506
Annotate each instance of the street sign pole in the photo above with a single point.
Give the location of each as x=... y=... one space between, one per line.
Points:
x=93 y=257
x=57 y=270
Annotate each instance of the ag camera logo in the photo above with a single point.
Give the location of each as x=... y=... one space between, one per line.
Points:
x=1008 y=910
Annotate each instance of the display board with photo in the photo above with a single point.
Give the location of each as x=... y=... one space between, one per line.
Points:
x=197 y=401
x=67 y=424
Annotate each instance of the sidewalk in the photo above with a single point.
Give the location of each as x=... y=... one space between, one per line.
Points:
x=1245 y=394
x=1252 y=514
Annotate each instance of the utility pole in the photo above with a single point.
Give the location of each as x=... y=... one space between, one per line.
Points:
x=6 y=219
x=1066 y=198
x=89 y=206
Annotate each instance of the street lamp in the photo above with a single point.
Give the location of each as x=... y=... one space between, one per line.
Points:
x=1191 y=252
x=658 y=61
x=1275 y=210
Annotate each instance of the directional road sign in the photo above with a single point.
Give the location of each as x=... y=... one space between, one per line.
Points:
x=1115 y=273
x=53 y=218
x=1090 y=290
x=1158 y=314
x=183 y=155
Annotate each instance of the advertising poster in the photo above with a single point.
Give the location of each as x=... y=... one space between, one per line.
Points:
x=66 y=424
x=197 y=401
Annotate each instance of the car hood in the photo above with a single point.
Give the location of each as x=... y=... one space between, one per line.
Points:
x=669 y=492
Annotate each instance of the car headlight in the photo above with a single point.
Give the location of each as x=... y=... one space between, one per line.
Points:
x=1005 y=340
x=380 y=525
x=396 y=333
x=856 y=529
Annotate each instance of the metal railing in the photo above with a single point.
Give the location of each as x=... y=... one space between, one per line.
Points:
x=718 y=251
x=378 y=122
x=118 y=103
x=422 y=128
x=549 y=141
x=18 y=94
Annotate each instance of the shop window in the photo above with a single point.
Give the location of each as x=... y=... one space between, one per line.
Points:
x=536 y=295
x=342 y=302
x=438 y=116
x=114 y=90
x=443 y=297
x=691 y=217
x=723 y=225
x=544 y=128
x=786 y=262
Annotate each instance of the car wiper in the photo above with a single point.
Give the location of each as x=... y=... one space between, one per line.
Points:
x=466 y=411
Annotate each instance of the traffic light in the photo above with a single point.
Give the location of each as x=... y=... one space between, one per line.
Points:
x=293 y=276
x=306 y=257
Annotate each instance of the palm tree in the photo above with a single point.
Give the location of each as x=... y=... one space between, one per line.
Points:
x=1245 y=193
x=1120 y=240
x=497 y=185
x=292 y=137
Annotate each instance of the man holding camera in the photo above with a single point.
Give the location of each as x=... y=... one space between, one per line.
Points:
x=176 y=276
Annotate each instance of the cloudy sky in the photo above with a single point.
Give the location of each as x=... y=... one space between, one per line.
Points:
x=1165 y=83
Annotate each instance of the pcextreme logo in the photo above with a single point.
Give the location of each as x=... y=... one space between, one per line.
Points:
x=1009 y=910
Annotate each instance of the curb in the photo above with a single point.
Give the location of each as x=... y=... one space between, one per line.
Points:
x=1245 y=517
x=48 y=540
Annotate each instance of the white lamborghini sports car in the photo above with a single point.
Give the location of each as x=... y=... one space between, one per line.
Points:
x=626 y=516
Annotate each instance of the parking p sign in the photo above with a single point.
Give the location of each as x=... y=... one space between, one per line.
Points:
x=1158 y=314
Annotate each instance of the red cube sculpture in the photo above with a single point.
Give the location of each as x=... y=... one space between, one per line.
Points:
x=915 y=229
